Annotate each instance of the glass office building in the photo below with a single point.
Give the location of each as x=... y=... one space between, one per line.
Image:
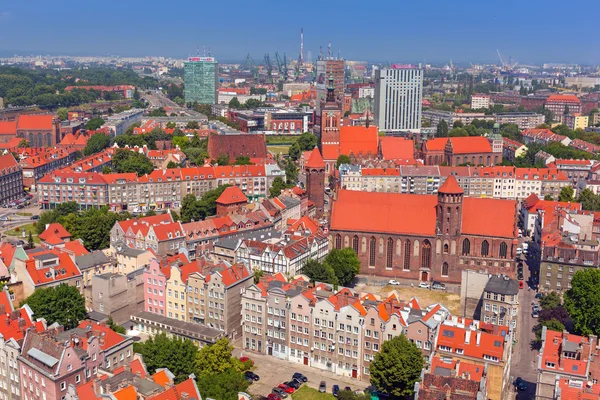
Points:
x=201 y=80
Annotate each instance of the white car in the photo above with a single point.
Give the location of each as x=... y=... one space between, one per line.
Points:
x=424 y=285
x=393 y=282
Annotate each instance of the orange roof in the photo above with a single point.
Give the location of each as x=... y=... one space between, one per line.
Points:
x=40 y=275
x=451 y=186
x=358 y=139
x=188 y=386
x=86 y=391
x=393 y=148
x=330 y=151
x=54 y=229
x=128 y=393
x=315 y=160
x=232 y=195
x=437 y=144
x=68 y=139
x=111 y=338
x=76 y=247
x=7 y=252
x=137 y=366
x=471 y=144
x=8 y=128
x=563 y=98
x=490 y=344
x=38 y=122
x=161 y=377
x=489 y=217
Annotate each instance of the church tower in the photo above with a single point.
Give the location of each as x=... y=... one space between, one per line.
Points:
x=331 y=113
x=449 y=208
x=315 y=181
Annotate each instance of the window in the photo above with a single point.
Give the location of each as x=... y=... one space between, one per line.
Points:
x=446 y=250
x=426 y=254
x=466 y=247
x=445 y=269
x=485 y=248
x=407 y=255
x=338 y=241
x=390 y=253
x=63 y=386
x=355 y=244
x=503 y=250
x=372 y=244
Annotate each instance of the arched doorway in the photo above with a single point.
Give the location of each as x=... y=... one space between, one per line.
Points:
x=424 y=276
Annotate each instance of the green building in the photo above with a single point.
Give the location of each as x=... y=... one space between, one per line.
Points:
x=201 y=80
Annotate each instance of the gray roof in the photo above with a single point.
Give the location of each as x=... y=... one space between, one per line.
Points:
x=571 y=347
x=502 y=285
x=289 y=201
x=232 y=242
x=45 y=257
x=122 y=248
x=91 y=260
x=97 y=316
x=108 y=275
x=441 y=371
x=198 y=332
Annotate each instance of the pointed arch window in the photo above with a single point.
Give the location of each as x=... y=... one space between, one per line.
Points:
x=485 y=248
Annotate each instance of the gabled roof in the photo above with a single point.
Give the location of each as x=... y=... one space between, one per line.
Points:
x=252 y=145
x=232 y=195
x=315 y=160
x=451 y=186
x=359 y=139
x=397 y=148
x=174 y=393
x=8 y=128
x=469 y=145
x=54 y=229
x=40 y=122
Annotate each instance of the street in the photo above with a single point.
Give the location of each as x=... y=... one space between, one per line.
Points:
x=524 y=361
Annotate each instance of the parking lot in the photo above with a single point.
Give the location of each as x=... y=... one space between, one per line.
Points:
x=273 y=371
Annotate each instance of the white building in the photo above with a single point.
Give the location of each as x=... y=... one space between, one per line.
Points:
x=398 y=96
x=479 y=101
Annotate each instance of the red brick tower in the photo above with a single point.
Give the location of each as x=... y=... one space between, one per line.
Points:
x=331 y=114
x=449 y=209
x=315 y=181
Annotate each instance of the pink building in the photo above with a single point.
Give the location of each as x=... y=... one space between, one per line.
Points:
x=154 y=288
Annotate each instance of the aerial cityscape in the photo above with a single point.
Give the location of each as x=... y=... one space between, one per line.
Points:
x=205 y=212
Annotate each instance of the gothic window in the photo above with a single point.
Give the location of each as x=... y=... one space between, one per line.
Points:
x=485 y=248
x=390 y=253
x=426 y=255
x=480 y=160
x=489 y=160
x=372 y=244
x=446 y=249
x=355 y=244
x=407 y=255
x=503 y=250
x=445 y=269
x=338 y=242
x=466 y=250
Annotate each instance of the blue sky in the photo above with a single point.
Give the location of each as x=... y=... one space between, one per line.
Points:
x=531 y=31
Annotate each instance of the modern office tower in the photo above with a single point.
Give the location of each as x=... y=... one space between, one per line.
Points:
x=201 y=76
x=398 y=95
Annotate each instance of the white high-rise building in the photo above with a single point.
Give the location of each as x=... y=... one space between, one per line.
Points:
x=398 y=95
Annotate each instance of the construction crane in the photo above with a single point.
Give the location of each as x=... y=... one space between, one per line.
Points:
x=269 y=68
x=251 y=66
x=506 y=66
x=285 y=67
x=279 y=63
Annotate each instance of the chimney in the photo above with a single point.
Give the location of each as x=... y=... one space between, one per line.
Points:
x=185 y=396
x=478 y=337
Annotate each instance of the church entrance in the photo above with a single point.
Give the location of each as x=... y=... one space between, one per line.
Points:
x=424 y=276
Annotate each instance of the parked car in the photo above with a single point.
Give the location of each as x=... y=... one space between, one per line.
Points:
x=322 y=387
x=393 y=282
x=535 y=314
x=4 y=219
x=520 y=275
x=520 y=384
x=279 y=392
x=298 y=375
x=539 y=295
x=519 y=251
x=246 y=359
x=251 y=375
x=438 y=286
x=35 y=217
x=348 y=388
x=293 y=383
x=273 y=396
x=335 y=390
x=520 y=284
x=424 y=285
x=286 y=388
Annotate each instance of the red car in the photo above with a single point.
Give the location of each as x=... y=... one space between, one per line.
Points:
x=246 y=359
x=286 y=388
x=273 y=396
x=520 y=284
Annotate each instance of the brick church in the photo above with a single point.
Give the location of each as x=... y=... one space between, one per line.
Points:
x=426 y=237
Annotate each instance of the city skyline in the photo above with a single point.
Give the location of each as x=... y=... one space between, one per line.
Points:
x=408 y=32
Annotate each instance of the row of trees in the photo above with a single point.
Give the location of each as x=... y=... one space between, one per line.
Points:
x=218 y=373
x=339 y=268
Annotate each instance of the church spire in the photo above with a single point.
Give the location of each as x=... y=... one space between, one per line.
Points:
x=330 y=89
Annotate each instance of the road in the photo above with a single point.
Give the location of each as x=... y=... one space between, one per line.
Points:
x=524 y=361
x=158 y=99
x=273 y=371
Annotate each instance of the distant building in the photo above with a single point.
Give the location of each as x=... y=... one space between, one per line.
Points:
x=201 y=80
x=454 y=151
x=575 y=121
x=398 y=97
x=11 y=180
x=479 y=101
x=524 y=120
x=557 y=103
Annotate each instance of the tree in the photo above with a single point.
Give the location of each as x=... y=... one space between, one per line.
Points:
x=181 y=141
x=566 y=194
x=131 y=161
x=582 y=301
x=30 y=241
x=159 y=351
x=94 y=124
x=550 y=301
x=259 y=273
x=307 y=141
x=552 y=324
x=193 y=125
x=150 y=213
x=63 y=114
x=223 y=159
x=243 y=160
x=457 y=124
x=191 y=209
x=224 y=386
x=442 y=129
x=344 y=263
x=23 y=143
x=172 y=164
x=117 y=328
x=106 y=170
x=342 y=159
x=96 y=143
x=234 y=103
x=63 y=304
x=560 y=314
x=318 y=272
x=397 y=367
x=549 y=197
x=217 y=358
x=291 y=172
x=276 y=187
x=171 y=125
x=294 y=151
x=589 y=201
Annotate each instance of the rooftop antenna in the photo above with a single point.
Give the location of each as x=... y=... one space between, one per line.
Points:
x=329 y=50
x=338 y=57
x=209 y=52
x=320 y=52
x=301 y=57
x=204 y=51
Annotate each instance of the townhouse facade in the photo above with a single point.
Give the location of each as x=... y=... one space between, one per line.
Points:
x=11 y=180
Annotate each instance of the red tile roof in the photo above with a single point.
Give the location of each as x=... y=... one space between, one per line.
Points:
x=55 y=229
x=393 y=148
x=578 y=390
x=7 y=252
x=188 y=386
x=161 y=377
x=8 y=128
x=39 y=122
x=437 y=144
x=76 y=248
x=469 y=145
x=474 y=343
x=315 y=160
x=563 y=98
x=127 y=393
x=451 y=186
x=253 y=145
x=489 y=217
x=66 y=268
x=8 y=164
x=111 y=338
x=232 y=195
x=552 y=353
x=359 y=139
x=86 y=391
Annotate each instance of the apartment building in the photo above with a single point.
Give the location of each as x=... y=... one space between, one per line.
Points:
x=480 y=100
x=524 y=120
x=568 y=357
x=161 y=189
x=501 y=301
x=36 y=162
x=575 y=169
x=492 y=182
x=528 y=212
x=11 y=180
x=157 y=232
x=543 y=136
x=118 y=295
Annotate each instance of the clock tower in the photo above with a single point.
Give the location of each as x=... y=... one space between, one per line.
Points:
x=331 y=113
